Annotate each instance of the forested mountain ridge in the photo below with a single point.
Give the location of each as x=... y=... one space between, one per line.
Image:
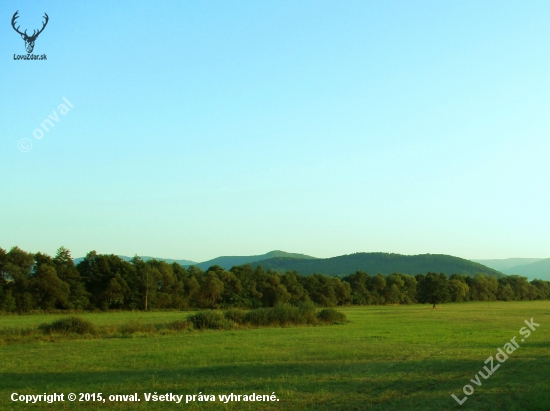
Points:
x=340 y=266
x=231 y=261
x=380 y=263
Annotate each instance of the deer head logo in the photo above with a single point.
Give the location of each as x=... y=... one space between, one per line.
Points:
x=29 y=40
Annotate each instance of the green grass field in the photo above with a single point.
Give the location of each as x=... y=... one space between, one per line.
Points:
x=385 y=358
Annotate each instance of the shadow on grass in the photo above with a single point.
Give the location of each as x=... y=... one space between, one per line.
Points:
x=361 y=385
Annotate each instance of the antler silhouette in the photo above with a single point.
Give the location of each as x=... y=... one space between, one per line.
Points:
x=45 y=16
x=15 y=17
x=34 y=33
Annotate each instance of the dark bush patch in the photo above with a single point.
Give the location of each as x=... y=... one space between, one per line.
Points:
x=283 y=314
x=180 y=325
x=70 y=325
x=210 y=319
x=308 y=311
x=331 y=316
x=259 y=317
x=235 y=315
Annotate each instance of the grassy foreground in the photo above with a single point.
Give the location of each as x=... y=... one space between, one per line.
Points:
x=385 y=358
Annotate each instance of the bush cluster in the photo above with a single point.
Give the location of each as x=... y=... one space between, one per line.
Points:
x=331 y=316
x=180 y=325
x=213 y=320
x=236 y=315
x=70 y=325
x=280 y=315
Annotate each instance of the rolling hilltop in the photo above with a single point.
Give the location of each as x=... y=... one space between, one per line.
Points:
x=231 y=261
x=379 y=263
x=372 y=263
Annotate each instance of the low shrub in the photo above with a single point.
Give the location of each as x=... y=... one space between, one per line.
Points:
x=308 y=311
x=214 y=320
x=285 y=314
x=331 y=316
x=236 y=315
x=260 y=317
x=70 y=325
x=282 y=314
x=180 y=325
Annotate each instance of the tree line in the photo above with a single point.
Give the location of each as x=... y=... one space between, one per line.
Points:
x=38 y=281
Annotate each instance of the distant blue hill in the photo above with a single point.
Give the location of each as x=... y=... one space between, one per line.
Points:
x=537 y=270
x=506 y=263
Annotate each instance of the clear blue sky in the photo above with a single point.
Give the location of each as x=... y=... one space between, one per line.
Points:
x=207 y=128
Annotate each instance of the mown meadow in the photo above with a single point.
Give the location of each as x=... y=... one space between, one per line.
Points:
x=408 y=357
